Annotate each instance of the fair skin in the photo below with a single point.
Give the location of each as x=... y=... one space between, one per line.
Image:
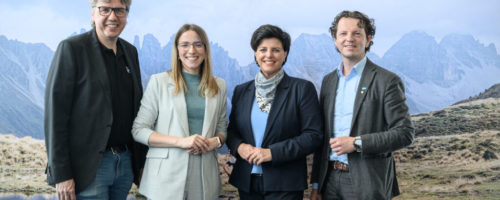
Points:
x=108 y=28
x=66 y=190
x=351 y=41
x=191 y=52
x=254 y=155
x=195 y=144
x=270 y=56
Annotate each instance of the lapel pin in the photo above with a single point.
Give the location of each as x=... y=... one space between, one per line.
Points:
x=128 y=69
x=363 y=90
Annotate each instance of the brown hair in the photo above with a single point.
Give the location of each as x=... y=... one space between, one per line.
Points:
x=364 y=22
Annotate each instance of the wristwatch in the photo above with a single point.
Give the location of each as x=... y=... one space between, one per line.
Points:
x=357 y=144
x=219 y=143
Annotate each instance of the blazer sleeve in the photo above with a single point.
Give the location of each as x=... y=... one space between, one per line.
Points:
x=310 y=136
x=400 y=131
x=148 y=112
x=318 y=154
x=58 y=105
x=222 y=121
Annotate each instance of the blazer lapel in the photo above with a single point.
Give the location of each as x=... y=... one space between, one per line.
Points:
x=99 y=65
x=180 y=107
x=329 y=101
x=278 y=103
x=210 y=111
x=247 y=99
x=363 y=87
x=134 y=73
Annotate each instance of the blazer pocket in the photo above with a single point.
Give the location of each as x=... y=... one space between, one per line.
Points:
x=157 y=153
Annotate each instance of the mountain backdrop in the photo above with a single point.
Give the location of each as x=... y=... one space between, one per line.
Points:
x=436 y=74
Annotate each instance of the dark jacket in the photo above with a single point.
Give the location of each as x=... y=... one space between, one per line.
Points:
x=78 y=110
x=292 y=132
x=382 y=120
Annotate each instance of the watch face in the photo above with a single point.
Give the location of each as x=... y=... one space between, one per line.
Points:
x=357 y=143
x=219 y=142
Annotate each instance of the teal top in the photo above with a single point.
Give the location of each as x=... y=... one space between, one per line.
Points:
x=195 y=103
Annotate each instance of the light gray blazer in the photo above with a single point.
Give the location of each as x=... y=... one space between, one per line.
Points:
x=165 y=172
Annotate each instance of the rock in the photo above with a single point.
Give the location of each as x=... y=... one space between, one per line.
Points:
x=489 y=155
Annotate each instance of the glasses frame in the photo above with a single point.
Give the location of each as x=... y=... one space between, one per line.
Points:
x=111 y=9
x=188 y=45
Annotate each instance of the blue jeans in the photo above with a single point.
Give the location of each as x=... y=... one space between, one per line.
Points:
x=113 y=179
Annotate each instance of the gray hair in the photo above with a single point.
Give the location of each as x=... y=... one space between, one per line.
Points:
x=92 y=3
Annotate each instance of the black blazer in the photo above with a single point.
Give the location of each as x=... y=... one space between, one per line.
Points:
x=78 y=111
x=382 y=120
x=293 y=131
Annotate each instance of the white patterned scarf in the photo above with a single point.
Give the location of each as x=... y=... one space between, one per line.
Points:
x=265 y=89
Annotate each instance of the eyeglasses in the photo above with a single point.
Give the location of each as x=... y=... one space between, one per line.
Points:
x=187 y=45
x=106 y=11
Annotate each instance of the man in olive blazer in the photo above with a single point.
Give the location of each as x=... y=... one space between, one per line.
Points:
x=380 y=120
x=78 y=110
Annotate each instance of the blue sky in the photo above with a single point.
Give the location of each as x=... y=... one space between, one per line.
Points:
x=230 y=23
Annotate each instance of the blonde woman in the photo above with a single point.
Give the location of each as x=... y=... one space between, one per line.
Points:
x=183 y=120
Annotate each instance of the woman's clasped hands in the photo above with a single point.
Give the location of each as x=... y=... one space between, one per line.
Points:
x=254 y=155
x=197 y=144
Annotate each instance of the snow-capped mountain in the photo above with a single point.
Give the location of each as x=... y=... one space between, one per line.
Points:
x=435 y=74
x=438 y=74
x=23 y=70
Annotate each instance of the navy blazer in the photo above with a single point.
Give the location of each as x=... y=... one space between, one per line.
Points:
x=293 y=131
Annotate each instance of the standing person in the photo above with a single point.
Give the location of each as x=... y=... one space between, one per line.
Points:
x=275 y=123
x=366 y=119
x=92 y=96
x=183 y=120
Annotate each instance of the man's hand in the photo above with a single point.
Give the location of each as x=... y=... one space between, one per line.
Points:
x=342 y=145
x=315 y=195
x=66 y=190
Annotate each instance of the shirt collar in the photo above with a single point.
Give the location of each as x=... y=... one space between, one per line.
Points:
x=357 y=69
x=118 y=48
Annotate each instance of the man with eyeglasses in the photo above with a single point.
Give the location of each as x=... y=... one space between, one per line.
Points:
x=92 y=96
